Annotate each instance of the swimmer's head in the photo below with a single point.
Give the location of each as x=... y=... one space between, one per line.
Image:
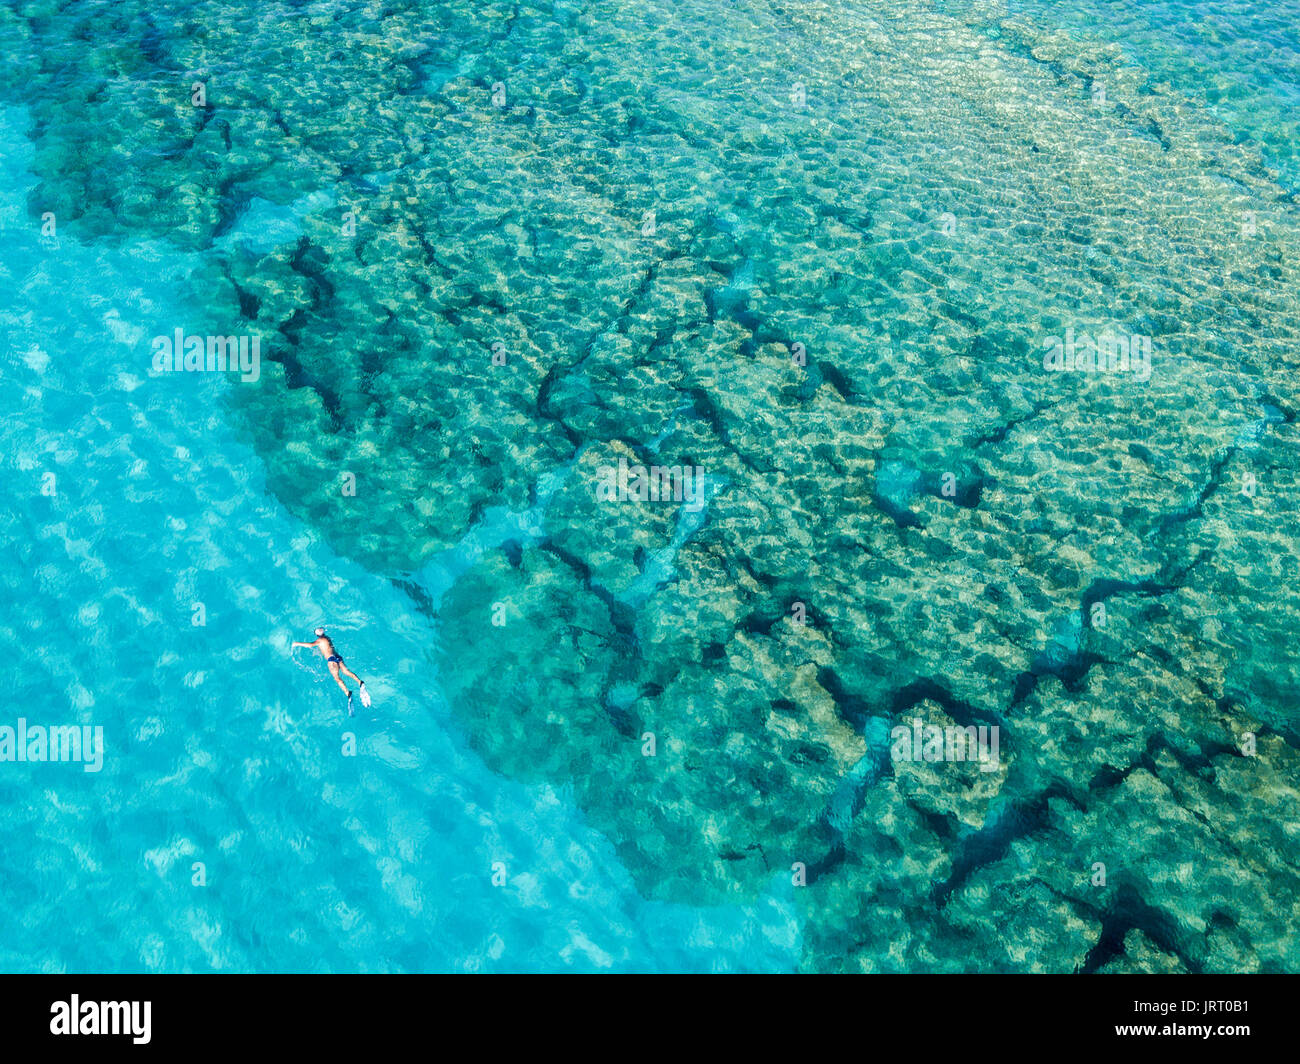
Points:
x=320 y=631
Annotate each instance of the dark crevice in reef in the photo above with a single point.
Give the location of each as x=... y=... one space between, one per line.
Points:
x=627 y=723
x=1143 y=124
x=1277 y=725
x=942 y=825
x=622 y=616
x=312 y=262
x=296 y=374
x=1286 y=732
x=851 y=794
x=927 y=689
x=730 y=303
x=479 y=300
x=1195 y=511
x=1105 y=589
x=205 y=115
x=740 y=855
x=513 y=549
x=1071 y=665
x=431 y=260
x=153 y=44
x=395 y=342
x=1018 y=819
x=1109 y=776
x=1024 y=687
x=713 y=653
x=834 y=857
x=1072 y=671
x=421 y=68
x=1197 y=763
x=249 y=304
x=704 y=408
x=900 y=481
x=953 y=312
x=856 y=711
x=837 y=380
x=1267 y=400
x=859 y=221
x=418 y=595
x=851 y=707
x=999 y=434
x=662 y=338
x=619 y=325
x=1129 y=912
x=622 y=320
x=233 y=200
x=762 y=620
x=968 y=487
x=1222 y=702
x=543 y=405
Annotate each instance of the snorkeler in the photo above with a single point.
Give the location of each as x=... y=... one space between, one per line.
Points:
x=332 y=657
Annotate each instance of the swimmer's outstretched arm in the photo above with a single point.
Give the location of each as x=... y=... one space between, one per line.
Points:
x=295 y=643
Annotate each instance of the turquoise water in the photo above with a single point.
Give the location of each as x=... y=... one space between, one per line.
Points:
x=1240 y=60
x=223 y=749
x=812 y=251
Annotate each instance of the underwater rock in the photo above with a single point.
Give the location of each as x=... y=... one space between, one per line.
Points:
x=486 y=243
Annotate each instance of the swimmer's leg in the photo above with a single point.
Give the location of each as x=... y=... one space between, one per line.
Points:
x=361 y=685
x=334 y=671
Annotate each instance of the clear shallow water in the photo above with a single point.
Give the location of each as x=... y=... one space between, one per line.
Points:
x=1239 y=59
x=940 y=196
x=223 y=748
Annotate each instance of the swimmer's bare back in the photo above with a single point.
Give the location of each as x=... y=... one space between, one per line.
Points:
x=326 y=647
